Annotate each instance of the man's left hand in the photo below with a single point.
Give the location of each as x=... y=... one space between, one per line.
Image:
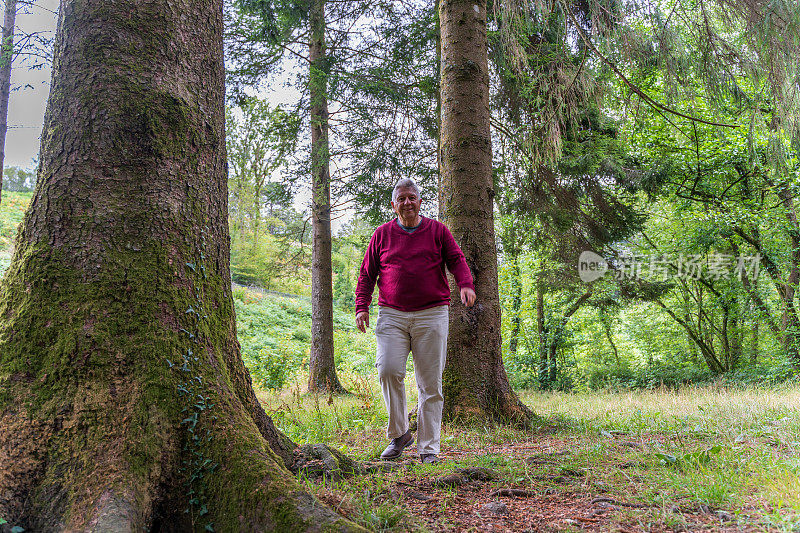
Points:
x=467 y=296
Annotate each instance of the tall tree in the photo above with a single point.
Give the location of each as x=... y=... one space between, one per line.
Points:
x=321 y=366
x=475 y=382
x=286 y=23
x=6 y=60
x=124 y=402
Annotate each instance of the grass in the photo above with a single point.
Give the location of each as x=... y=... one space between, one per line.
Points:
x=707 y=458
x=710 y=457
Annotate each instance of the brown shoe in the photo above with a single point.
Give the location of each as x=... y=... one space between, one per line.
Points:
x=428 y=458
x=396 y=447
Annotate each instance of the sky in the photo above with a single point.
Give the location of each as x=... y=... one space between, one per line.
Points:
x=32 y=87
x=27 y=103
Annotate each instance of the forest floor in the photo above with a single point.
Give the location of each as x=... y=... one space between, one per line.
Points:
x=701 y=459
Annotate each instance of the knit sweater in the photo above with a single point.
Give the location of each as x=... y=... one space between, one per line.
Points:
x=410 y=267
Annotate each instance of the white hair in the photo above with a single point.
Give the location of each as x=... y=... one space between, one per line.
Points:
x=405 y=183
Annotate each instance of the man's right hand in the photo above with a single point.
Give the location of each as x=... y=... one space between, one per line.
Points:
x=362 y=321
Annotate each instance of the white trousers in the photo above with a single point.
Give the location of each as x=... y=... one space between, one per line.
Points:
x=424 y=334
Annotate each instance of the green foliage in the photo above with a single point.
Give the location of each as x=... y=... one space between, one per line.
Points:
x=18 y=179
x=349 y=247
x=650 y=377
x=12 y=211
x=691 y=459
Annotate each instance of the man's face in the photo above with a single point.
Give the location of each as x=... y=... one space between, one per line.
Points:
x=407 y=204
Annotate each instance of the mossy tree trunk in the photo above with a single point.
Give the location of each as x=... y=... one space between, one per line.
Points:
x=123 y=397
x=475 y=382
x=322 y=369
x=6 y=61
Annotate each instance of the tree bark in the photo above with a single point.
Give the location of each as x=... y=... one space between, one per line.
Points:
x=475 y=382
x=438 y=74
x=322 y=369
x=124 y=402
x=6 y=63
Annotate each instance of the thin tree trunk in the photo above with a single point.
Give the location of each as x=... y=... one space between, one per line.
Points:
x=322 y=369
x=516 y=304
x=6 y=63
x=610 y=338
x=736 y=326
x=552 y=362
x=123 y=397
x=543 y=336
x=475 y=382
x=724 y=340
x=692 y=345
x=558 y=334
x=256 y=214
x=754 y=342
x=706 y=349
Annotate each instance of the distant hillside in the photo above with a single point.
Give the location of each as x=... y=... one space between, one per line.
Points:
x=12 y=209
x=275 y=336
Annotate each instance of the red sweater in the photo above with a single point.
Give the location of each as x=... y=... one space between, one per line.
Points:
x=409 y=267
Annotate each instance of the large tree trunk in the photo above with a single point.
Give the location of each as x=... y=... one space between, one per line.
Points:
x=124 y=400
x=322 y=370
x=6 y=62
x=475 y=382
x=438 y=73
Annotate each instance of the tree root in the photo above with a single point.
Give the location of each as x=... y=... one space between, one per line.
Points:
x=320 y=461
x=519 y=493
x=620 y=504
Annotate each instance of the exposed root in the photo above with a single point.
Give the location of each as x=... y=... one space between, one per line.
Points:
x=115 y=515
x=620 y=504
x=513 y=492
x=321 y=461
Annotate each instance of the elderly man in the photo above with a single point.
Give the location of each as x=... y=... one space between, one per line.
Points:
x=407 y=258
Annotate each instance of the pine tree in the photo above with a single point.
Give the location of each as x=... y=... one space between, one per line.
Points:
x=475 y=382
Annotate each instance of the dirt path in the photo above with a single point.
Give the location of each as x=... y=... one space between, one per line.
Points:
x=537 y=487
